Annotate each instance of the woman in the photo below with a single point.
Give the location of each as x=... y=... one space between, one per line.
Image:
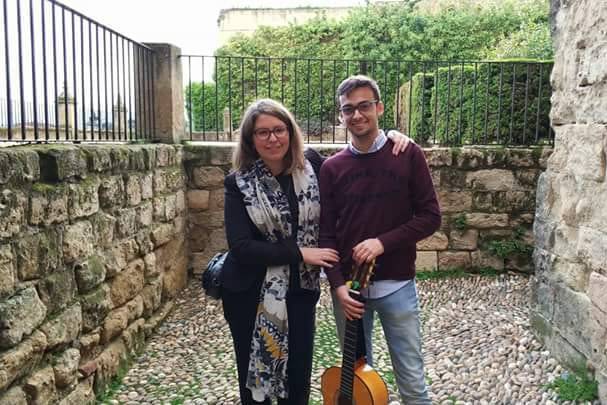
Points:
x=271 y=276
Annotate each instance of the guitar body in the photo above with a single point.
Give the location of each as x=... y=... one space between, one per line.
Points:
x=368 y=387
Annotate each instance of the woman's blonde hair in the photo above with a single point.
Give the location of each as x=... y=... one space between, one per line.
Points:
x=245 y=154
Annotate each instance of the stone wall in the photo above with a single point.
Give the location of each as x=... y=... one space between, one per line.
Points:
x=569 y=309
x=92 y=251
x=486 y=194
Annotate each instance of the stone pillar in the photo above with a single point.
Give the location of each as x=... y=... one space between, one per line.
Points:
x=569 y=304
x=66 y=120
x=168 y=94
x=119 y=118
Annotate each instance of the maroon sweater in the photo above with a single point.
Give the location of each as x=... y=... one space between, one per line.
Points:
x=377 y=195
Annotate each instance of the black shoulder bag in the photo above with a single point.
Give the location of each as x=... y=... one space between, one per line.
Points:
x=211 y=277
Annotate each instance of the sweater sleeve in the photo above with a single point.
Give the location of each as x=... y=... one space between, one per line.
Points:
x=245 y=245
x=328 y=222
x=426 y=211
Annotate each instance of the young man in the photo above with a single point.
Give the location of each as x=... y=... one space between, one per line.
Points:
x=377 y=206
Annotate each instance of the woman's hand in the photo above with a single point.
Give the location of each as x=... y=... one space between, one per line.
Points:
x=319 y=256
x=401 y=141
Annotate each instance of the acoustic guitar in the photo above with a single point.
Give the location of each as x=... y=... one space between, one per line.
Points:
x=355 y=382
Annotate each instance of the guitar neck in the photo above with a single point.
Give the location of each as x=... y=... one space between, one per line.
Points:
x=352 y=339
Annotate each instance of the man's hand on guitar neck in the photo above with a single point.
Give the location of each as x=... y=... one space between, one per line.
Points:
x=352 y=308
x=367 y=250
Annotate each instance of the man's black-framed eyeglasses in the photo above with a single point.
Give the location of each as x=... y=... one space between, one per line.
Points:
x=363 y=107
x=264 y=133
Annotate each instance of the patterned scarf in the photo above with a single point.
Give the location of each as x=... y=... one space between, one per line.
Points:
x=268 y=208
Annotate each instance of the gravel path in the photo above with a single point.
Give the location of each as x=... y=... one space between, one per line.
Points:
x=477 y=347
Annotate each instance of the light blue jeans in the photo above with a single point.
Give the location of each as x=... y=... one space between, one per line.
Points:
x=399 y=317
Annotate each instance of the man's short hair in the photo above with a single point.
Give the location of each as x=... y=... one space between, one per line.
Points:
x=355 y=82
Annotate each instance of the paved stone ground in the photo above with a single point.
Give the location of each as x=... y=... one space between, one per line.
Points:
x=478 y=349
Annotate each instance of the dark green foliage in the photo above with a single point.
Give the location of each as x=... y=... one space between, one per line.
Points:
x=575 y=387
x=415 y=99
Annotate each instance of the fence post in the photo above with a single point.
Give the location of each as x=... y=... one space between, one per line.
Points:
x=168 y=99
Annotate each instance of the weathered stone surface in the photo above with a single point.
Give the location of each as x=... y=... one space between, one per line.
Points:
x=22 y=359
x=198 y=263
x=134 y=337
x=592 y=247
x=136 y=157
x=518 y=158
x=162 y=233
x=114 y=324
x=180 y=202
x=128 y=283
x=172 y=261
x=58 y=290
x=198 y=199
x=145 y=215
x=103 y=228
x=170 y=207
x=120 y=158
x=13 y=208
x=84 y=198
x=486 y=221
x=174 y=179
x=134 y=308
x=18 y=165
x=109 y=362
x=579 y=150
x=149 y=152
x=464 y=240
x=216 y=200
x=152 y=297
x=452 y=179
x=38 y=254
x=98 y=158
x=48 y=204
x=65 y=328
x=596 y=290
x=147 y=186
x=483 y=259
x=163 y=155
x=132 y=185
x=20 y=315
x=61 y=162
x=151 y=270
x=95 y=306
x=8 y=273
x=426 y=261
x=89 y=348
x=112 y=192
x=126 y=222
x=83 y=394
x=14 y=396
x=65 y=368
x=160 y=185
x=40 y=386
x=450 y=260
x=206 y=220
x=144 y=242
x=493 y=180
x=119 y=255
x=573 y=275
x=572 y=315
x=438 y=156
x=204 y=177
x=454 y=201
x=152 y=323
x=436 y=241
x=468 y=158
x=77 y=241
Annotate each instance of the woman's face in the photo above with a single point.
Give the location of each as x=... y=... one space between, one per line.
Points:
x=271 y=139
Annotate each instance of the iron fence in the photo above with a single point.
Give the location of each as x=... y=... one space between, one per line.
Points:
x=436 y=102
x=69 y=78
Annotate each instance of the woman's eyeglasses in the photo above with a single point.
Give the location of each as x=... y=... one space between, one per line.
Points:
x=264 y=133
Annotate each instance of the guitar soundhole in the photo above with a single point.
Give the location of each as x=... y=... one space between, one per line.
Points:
x=343 y=400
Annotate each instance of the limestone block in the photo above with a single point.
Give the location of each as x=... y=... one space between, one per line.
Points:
x=179 y=202
x=174 y=179
x=492 y=180
x=65 y=367
x=151 y=270
x=438 y=156
x=134 y=337
x=134 y=308
x=592 y=248
x=515 y=201
x=204 y=177
x=207 y=220
x=38 y=254
x=120 y=158
x=132 y=187
x=198 y=199
x=40 y=387
x=580 y=151
x=451 y=178
x=163 y=157
x=468 y=158
x=144 y=242
x=77 y=241
x=20 y=315
x=108 y=364
x=572 y=315
x=596 y=290
x=128 y=283
x=89 y=346
x=58 y=289
x=199 y=261
x=83 y=394
x=89 y=273
x=437 y=241
x=463 y=240
x=158 y=317
x=119 y=255
x=147 y=186
x=159 y=209
x=14 y=396
x=519 y=157
x=103 y=228
x=216 y=199
x=543 y=296
x=22 y=359
x=8 y=273
x=454 y=201
x=448 y=260
x=95 y=307
x=170 y=207
x=84 y=198
x=527 y=178
x=544 y=233
x=126 y=222
x=566 y=240
x=112 y=192
x=64 y=328
x=48 y=204
x=544 y=156
x=114 y=324
x=162 y=233
x=152 y=297
x=486 y=221
x=149 y=152
x=485 y=201
x=573 y=275
x=98 y=158
x=160 y=185
x=136 y=157
x=436 y=176
x=426 y=261
x=481 y=258
x=61 y=162
x=18 y=165
x=172 y=260
x=13 y=209
x=145 y=215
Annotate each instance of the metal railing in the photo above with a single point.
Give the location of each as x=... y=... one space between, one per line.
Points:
x=437 y=102
x=69 y=78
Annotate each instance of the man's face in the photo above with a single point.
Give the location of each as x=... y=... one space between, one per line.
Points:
x=360 y=112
